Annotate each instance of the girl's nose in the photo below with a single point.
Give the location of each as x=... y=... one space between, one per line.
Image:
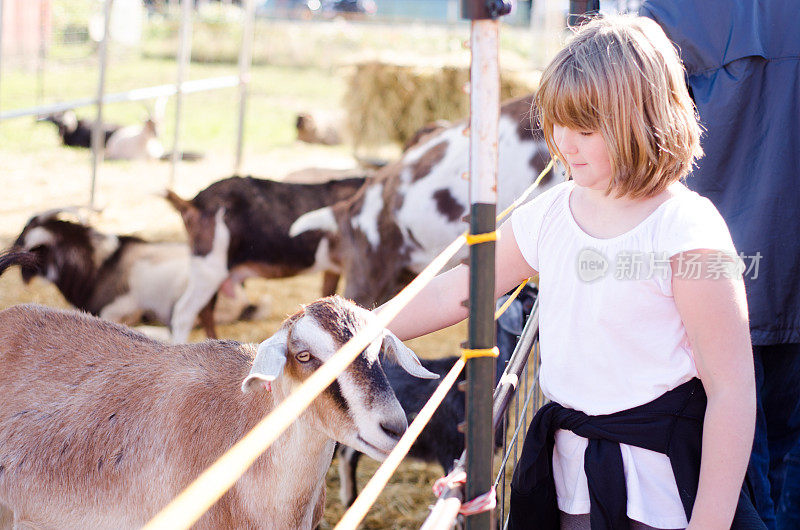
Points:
x=564 y=139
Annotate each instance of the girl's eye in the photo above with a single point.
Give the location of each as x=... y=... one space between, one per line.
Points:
x=303 y=356
x=587 y=133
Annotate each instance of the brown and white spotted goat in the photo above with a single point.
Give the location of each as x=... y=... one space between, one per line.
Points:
x=412 y=209
x=101 y=427
x=239 y=227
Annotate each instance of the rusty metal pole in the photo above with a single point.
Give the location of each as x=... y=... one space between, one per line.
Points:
x=484 y=117
x=581 y=10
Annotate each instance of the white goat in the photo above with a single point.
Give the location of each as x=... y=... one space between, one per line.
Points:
x=139 y=141
x=135 y=142
x=100 y=427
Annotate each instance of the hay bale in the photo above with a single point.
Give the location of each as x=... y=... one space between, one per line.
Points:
x=388 y=103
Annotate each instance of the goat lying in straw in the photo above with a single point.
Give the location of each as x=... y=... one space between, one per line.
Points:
x=121 y=142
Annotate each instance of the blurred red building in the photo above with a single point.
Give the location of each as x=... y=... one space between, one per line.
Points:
x=26 y=28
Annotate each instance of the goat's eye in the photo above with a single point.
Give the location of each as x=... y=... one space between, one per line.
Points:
x=303 y=356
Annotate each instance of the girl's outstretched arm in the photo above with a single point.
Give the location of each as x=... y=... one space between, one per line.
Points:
x=714 y=312
x=438 y=305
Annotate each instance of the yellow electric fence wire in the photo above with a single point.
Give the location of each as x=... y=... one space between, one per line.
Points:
x=201 y=494
x=524 y=197
x=375 y=486
x=474 y=239
x=474 y=353
x=356 y=513
x=511 y=298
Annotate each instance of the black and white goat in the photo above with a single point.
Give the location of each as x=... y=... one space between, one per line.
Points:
x=121 y=278
x=131 y=142
x=76 y=132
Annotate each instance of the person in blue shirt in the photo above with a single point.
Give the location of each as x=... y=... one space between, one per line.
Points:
x=743 y=70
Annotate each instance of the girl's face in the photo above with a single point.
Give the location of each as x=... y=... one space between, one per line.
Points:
x=587 y=156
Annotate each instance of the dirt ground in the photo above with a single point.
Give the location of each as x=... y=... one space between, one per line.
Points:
x=129 y=196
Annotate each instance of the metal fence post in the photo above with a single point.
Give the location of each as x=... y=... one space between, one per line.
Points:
x=245 y=60
x=484 y=116
x=184 y=55
x=579 y=10
x=98 y=136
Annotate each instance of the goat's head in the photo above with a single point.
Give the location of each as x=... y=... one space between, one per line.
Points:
x=359 y=408
x=150 y=128
x=66 y=121
x=63 y=248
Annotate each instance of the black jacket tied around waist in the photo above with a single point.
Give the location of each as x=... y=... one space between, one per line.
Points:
x=672 y=424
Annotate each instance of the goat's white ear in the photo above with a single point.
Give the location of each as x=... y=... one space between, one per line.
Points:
x=70 y=120
x=269 y=362
x=322 y=219
x=406 y=358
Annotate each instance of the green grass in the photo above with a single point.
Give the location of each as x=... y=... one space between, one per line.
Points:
x=299 y=66
x=209 y=118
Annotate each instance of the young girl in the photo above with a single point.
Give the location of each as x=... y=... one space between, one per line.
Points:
x=639 y=296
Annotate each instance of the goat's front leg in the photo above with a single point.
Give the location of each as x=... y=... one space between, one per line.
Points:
x=348 y=465
x=330 y=281
x=207 y=318
x=206 y=274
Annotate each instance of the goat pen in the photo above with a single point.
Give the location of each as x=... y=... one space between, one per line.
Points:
x=181 y=86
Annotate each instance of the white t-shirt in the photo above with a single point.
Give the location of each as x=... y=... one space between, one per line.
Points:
x=610 y=333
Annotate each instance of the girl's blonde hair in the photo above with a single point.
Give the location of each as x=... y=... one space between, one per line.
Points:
x=622 y=77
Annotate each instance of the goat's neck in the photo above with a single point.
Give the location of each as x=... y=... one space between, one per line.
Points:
x=87 y=276
x=292 y=471
x=77 y=284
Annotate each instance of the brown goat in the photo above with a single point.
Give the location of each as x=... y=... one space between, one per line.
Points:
x=238 y=227
x=101 y=427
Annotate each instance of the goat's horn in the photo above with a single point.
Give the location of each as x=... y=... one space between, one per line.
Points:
x=322 y=219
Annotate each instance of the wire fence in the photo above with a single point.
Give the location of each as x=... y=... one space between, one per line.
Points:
x=72 y=45
x=58 y=55
x=516 y=403
x=381 y=11
x=517 y=397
